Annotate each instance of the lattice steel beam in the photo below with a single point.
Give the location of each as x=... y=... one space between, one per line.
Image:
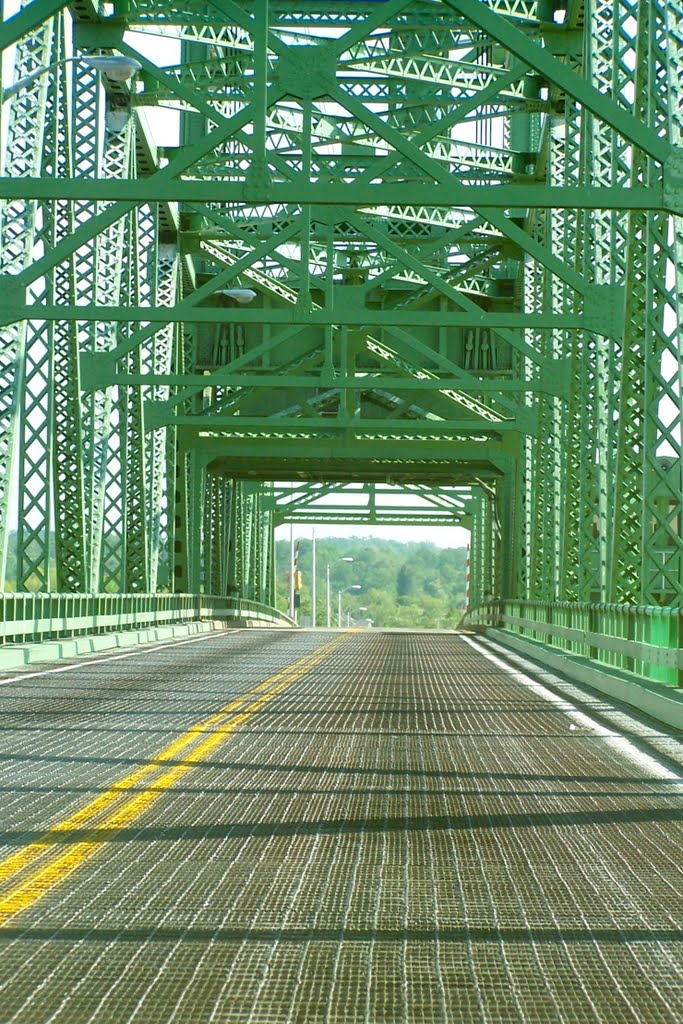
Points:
x=440 y=240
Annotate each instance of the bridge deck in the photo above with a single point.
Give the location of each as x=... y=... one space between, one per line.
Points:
x=324 y=827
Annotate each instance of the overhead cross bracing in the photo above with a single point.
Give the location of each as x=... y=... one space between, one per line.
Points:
x=415 y=241
x=376 y=504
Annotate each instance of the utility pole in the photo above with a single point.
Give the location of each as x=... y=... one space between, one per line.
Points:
x=313 y=590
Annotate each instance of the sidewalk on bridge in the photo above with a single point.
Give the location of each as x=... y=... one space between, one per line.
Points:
x=663 y=703
x=19 y=655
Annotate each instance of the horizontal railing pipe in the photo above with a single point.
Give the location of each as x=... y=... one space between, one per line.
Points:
x=36 y=617
x=644 y=640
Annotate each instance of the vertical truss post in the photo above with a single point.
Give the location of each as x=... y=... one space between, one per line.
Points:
x=606 y=163
x=176 y=482
x=181 y=499
x=484 y=579
x=522 y=135
x=133 y=441
x=19 y=230
x=564 y=171
x=265 y=547
x=235 y=542
x=190 y=503
x=108 y=427
x=539 y=455
x=508 y=525
x=214 y=533
x=164 y=288
x=259 y=174
x=197 y=474
x=71 y=547
x=259 y=554
x=647 y=562
x=86 y=425
x=576 y=522
x=249 y=539
x=271 y=592
x=259 y=542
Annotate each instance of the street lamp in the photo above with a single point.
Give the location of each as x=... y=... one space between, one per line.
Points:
x=348 y=614
x=354 y=586
x=241 y=295
x=118 y=68
x=346 y=558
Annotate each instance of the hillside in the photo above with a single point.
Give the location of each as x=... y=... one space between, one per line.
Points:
x=411 y=584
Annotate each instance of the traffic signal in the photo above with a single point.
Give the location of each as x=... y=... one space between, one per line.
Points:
x=298 y=581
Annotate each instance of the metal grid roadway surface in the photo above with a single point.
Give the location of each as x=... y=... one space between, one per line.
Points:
x=324 y=827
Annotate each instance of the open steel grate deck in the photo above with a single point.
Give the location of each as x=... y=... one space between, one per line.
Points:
x=397 y=830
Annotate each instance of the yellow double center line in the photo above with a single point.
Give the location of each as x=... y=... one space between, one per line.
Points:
x=28 y=874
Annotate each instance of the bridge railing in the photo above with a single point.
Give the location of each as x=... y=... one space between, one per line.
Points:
x=647 y=641
x=35 y=617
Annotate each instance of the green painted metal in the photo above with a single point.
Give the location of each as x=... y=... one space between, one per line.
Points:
x=37 y=617
x=426 y=246
x=645 y=641
x=303 y=193
x=374 y=504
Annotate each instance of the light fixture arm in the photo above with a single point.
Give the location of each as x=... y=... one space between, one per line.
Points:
x=119 y=69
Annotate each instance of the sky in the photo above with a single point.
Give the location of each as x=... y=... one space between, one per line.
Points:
x=441 y=536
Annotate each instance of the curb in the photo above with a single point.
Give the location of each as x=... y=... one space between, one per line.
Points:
x=662 y=703
x=17 y=655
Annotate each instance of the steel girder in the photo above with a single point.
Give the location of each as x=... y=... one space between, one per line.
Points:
x=457 y=229
x=376 y=504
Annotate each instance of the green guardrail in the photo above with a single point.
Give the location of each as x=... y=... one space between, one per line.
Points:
x=646 y=641
x=35 y=617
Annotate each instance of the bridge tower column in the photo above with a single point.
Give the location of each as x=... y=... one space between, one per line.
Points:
x=485 y=548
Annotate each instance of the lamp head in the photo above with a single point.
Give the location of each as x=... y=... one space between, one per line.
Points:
x=241 y=295
x=119 y=69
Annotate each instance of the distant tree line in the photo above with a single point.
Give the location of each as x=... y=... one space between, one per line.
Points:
x=402 y=584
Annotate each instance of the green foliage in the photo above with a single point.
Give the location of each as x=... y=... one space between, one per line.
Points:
x=10 y=583
x=408 y=585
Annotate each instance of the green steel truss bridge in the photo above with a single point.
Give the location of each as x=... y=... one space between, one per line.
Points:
x=324 y=260
x=340 y=261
